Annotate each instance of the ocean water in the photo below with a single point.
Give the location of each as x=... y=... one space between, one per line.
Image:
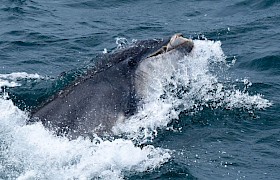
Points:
x=215 y=117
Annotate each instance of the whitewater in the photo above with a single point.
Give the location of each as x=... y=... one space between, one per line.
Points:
x=31 y=151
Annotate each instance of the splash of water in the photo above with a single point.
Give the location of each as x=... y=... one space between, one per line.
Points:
x=192 y=86
x=31 y=151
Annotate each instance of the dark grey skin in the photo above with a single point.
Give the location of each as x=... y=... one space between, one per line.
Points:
x=94 y=102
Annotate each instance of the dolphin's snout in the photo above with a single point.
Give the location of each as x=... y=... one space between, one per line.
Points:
x=178 y=41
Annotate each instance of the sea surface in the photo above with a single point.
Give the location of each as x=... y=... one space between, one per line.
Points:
x=220 y=115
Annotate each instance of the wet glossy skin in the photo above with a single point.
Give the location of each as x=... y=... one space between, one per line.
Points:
x=106 y=94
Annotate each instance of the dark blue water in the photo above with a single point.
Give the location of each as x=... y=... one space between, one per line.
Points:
x=47 y=38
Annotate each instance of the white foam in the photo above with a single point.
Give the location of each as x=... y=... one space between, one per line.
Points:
x=190 y=87
x=9 y=80
x=121 y=42
x=32 y=152
x=20 y=75
x=105 y=51
x=8 y=83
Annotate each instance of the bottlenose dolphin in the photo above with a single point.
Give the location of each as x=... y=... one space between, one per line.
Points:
x=110 y=91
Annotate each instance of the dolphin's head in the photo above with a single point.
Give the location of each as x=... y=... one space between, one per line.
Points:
x=178 y=42
x=160 y=66
x=142 y=50
x=111 y=90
